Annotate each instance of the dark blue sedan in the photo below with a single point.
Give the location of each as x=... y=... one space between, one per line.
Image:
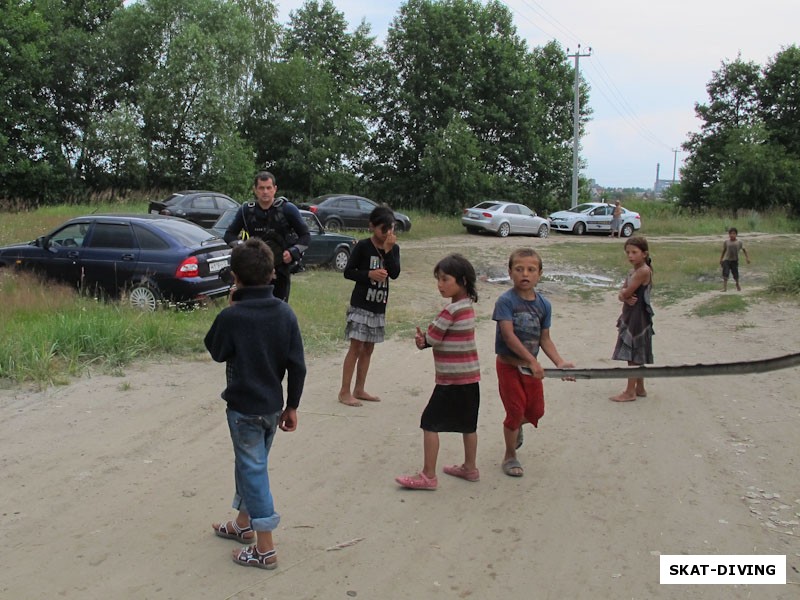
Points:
x=146 y=259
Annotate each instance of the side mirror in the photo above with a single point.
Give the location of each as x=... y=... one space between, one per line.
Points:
x=43 y=242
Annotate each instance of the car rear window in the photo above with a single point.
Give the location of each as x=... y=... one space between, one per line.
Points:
x=187 y=234
x=149 y=240
x=173 y=199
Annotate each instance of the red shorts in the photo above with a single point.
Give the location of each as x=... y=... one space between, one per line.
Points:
x=522 y=396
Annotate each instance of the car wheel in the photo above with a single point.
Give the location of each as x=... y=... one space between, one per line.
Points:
x=544 y=231
x=333 y=224
x=627 y=230
x=399 y=227
x=580 y=228
x=504 y=230
x=144 y=296
x=340 y=259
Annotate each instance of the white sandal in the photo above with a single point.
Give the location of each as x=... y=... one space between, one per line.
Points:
x=249 y=556
x=234 y=532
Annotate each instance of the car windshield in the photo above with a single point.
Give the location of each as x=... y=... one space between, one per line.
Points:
x=312 y=222
x=186 y=233
x=225 y=219
x=581 y=208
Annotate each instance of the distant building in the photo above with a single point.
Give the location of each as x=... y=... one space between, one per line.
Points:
x=661 y=184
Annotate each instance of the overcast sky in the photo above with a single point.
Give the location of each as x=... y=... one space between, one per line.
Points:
x=649 y=65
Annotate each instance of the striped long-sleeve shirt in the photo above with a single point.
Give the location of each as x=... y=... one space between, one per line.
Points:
x=452 y=336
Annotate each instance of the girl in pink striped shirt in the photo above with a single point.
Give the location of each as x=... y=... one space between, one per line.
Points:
x=454 y=404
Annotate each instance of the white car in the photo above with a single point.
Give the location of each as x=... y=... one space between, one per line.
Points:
x=504 y=219
x=592 y=217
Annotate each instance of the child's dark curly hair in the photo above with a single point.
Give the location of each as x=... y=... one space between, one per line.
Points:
x=381 y=216
x=460 y=269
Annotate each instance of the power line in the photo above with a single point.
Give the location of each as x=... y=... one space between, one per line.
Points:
x=619 y=103
x=604 y=83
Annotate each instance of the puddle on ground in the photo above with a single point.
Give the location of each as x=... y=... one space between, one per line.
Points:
x=565 y=277
x=589 y=280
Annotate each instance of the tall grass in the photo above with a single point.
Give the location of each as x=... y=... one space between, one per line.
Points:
x=785 y=279
x=50 y=332
x=320 y=298
x=666 y=218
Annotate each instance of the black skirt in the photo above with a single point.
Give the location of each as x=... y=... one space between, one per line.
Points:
x=452 y=408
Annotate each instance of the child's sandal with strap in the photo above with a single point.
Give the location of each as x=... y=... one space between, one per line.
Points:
x=249 y=556
x=231 y=530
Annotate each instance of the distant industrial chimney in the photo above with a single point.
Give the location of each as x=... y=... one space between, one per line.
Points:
x=658 y=177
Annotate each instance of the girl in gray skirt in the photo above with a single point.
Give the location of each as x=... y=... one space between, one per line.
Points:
x=372 y=263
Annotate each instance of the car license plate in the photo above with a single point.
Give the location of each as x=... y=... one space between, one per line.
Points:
x=215 y=267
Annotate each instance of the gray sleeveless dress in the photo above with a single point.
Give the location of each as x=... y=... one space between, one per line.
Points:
x=635 y=330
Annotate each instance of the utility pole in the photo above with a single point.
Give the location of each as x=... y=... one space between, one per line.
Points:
x=576 y=118
x=674 y=164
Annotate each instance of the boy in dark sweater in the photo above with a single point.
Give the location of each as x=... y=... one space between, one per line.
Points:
x=259 y=339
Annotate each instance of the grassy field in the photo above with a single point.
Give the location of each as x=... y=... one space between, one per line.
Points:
x=51 y=334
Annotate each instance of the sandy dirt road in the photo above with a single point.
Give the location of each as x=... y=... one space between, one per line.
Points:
x=109 y=485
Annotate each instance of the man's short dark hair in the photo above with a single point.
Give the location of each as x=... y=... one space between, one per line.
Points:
x=253 y=262
x=733 y=230
x=264 y=176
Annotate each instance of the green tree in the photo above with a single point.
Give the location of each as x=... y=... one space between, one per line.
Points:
x=308 y=121
x=461 y=58
x=758 y=175
x=63 y=81
x=190 y=59
x=452 y=170
x=732 y=109
x=779 y=96
x=263 y=17
x=117 y=151
x=27 y=139
x=231 y=167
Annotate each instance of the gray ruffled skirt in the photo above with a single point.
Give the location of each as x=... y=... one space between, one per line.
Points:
x=364 y=325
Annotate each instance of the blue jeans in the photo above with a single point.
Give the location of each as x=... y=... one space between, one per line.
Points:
x=252 y=437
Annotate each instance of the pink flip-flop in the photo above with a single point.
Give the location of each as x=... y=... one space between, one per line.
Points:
x=417 y=482
x=460 y=471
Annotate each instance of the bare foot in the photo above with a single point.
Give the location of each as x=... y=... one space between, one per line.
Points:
x=362 y=395
x=641 y=393
x=623 y=398
x=349 y=400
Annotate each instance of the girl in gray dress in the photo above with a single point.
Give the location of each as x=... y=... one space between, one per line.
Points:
x=635 y=324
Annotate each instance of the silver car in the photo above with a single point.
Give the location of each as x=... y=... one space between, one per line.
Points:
x=504 y=219
x=592 y=217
